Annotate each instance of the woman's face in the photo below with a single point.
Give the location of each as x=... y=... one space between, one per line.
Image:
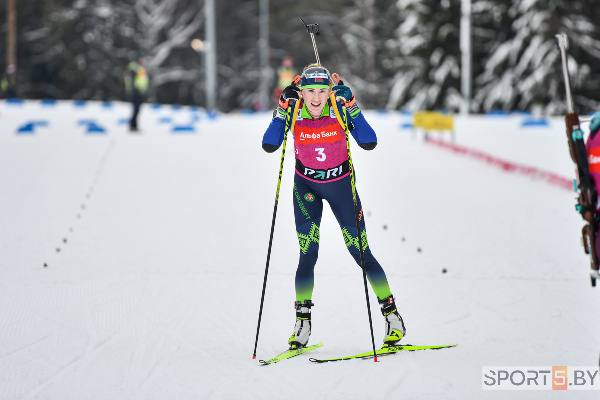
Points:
x=315 y=100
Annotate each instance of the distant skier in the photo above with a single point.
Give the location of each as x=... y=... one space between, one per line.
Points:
x=136 y=86
x=323 y=173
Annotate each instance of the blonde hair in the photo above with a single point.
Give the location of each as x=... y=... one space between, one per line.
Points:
x=312 y=65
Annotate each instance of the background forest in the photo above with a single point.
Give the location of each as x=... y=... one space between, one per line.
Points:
x=401 y=54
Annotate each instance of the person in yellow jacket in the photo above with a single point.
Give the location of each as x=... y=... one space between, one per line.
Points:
x=136 y=86
x=285 y=74
x=9 y=82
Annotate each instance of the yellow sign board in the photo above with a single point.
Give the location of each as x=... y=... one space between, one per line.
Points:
x=433 y=121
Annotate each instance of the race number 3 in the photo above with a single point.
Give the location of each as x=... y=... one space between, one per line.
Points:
x=321 y=152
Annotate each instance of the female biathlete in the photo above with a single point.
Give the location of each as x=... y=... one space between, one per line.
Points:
x=323 y=173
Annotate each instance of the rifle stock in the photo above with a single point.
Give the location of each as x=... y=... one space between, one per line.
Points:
x=585 y=186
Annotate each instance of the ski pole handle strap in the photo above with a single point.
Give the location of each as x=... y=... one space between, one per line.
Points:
x=294 y=115
x=337 y=112
x=351 y=106
x=336 y=78
x=284 y=100
x=344 y=123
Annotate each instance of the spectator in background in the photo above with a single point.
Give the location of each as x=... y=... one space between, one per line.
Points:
x=136 y=86
x=285 y=76
x=9 y=82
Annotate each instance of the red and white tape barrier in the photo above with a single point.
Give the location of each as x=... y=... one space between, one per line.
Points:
x=507 y=166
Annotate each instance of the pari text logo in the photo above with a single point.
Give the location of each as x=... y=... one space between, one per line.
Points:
x=324 y=175
x=541 y=378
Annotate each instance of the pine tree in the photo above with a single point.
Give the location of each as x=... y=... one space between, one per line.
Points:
x=165 y=31
x=491 y=26
x=397 y=54
x=584 y=50
x=364 y=53
x=84 y=48
x=524 y=71
x=427 y=56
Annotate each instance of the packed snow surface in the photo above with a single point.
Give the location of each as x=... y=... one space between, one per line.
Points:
x=132 y=264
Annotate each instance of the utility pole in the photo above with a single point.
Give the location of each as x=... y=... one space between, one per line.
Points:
x=465 y=50
x=263 y=50
x=11 y=38
x=211 y=54
x=370 y=25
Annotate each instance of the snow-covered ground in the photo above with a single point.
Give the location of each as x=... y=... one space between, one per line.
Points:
x=132 y=264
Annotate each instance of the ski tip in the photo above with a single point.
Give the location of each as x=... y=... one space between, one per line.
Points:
x=442 y=347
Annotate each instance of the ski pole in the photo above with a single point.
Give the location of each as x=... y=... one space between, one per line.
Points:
x=287 y=126
x=338 y=81
x=313 y=29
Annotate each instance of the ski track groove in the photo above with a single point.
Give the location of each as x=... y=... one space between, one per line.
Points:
x=118 y=328
x=103 y=328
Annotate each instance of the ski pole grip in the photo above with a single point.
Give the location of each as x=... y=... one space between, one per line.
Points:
x=296 y=80
x=336 y=79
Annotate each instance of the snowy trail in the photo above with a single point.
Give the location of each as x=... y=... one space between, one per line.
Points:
x=155 y=294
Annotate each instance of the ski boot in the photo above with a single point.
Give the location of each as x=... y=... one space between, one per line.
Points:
x=394 y=325
x=301 y=333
